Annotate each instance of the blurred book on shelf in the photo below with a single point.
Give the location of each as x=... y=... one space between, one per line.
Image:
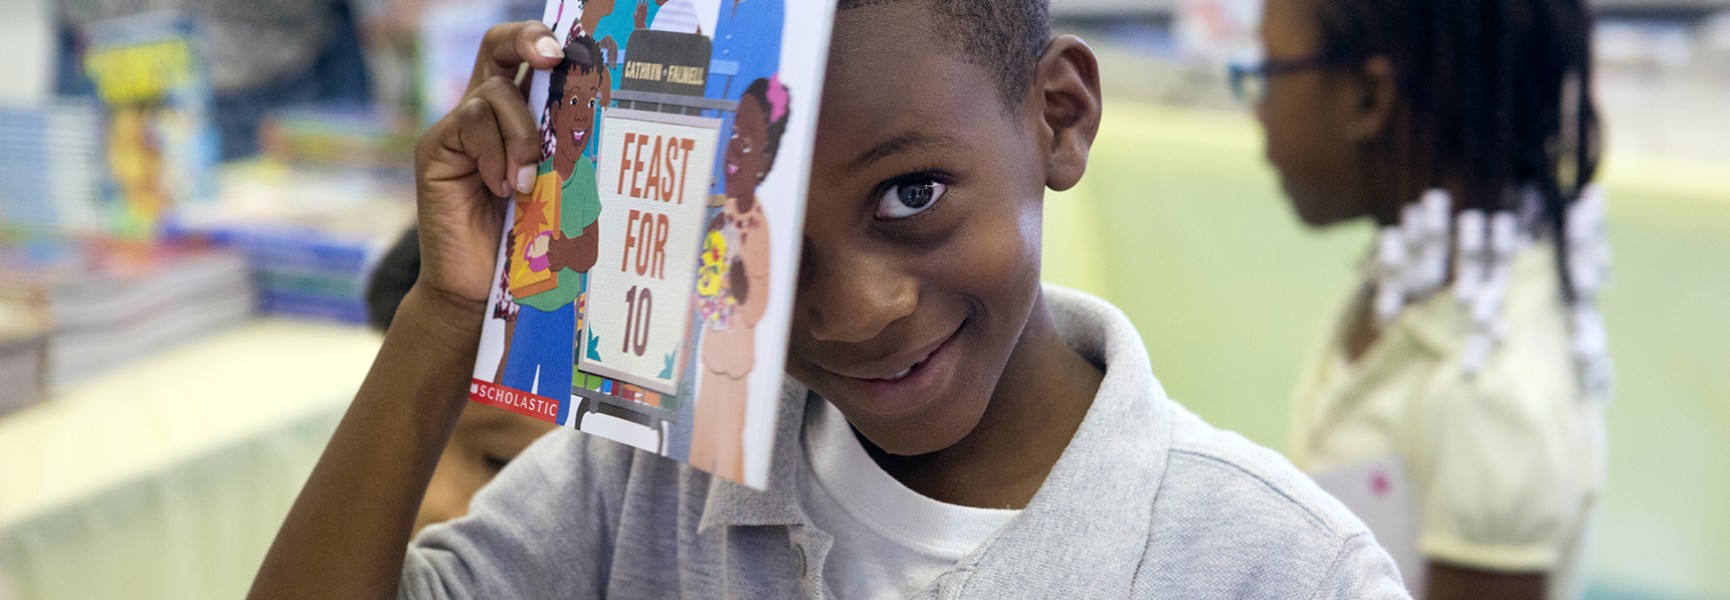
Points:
x=162 y=147
x=23 y=352
x=106 y=303
x=340 y=138
x=311 y=237
x=51 y=166
x=449 y=33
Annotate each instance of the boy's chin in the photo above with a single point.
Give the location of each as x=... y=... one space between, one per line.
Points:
x=936 y=441
x=915 y=434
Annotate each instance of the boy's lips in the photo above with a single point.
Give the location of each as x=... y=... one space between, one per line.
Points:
x=905 y=384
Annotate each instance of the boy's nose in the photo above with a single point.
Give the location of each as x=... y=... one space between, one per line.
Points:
x=855 y=301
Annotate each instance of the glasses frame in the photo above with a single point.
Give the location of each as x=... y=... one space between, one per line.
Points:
x=1239 y=72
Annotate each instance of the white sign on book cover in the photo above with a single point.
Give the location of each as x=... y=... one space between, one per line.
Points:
x=654 y=182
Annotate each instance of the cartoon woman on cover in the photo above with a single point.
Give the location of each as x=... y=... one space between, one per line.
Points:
x=733 y=282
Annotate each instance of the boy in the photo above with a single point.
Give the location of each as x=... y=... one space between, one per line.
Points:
x=964 y=433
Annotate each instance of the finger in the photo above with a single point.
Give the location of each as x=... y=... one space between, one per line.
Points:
x=516 y=125
x=507 y=46
x=476 y=135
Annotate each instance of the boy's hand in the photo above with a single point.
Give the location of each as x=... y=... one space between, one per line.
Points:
x=481 y=152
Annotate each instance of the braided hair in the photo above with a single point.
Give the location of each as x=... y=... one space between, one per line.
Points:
x=1497 y=95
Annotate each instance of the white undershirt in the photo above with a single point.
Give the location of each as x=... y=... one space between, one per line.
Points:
x=890 y=541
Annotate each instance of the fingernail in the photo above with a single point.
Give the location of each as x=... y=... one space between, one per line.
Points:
x=549 y=47
x=526 y=179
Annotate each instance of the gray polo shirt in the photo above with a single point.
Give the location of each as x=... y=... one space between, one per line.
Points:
x=1147 y=501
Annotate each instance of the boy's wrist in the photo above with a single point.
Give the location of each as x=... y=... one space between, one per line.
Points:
x=443 y=319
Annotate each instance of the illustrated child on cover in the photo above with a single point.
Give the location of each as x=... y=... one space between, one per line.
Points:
x=734 y=281
x=558 y=256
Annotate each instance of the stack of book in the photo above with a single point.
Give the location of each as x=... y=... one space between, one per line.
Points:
x=344 y=138
x=107 y=303
x=311 y=237
x=23 y=353
x=51 y=166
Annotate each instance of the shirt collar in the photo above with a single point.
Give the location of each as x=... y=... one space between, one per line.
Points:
x=1096 y=503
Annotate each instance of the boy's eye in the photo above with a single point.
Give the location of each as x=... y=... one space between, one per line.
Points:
x=910 y=198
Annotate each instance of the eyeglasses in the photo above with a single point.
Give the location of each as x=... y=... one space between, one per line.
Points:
x=1249 y=77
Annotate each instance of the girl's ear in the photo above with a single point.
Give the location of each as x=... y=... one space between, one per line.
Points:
x=1066 y=84
x=1378 y=86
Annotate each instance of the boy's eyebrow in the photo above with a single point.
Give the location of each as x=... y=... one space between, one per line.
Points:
x=901 y=143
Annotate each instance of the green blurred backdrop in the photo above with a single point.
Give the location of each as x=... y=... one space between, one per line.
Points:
x=1180 y=222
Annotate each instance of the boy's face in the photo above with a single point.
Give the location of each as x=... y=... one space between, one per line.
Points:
x=922 y=238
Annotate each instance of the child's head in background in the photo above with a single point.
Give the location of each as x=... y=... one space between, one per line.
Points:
x=485 y=438
x=1369 y=102
x=919 y=307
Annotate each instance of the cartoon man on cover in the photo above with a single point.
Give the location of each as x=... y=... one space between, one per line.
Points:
x=555 y=239
x=733 y=282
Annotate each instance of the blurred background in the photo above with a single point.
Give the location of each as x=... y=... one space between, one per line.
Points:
x=192 y=195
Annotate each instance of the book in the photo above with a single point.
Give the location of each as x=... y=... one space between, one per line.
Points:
x=311 y=236
x=23 y=352
x=107 y=303
x=51 y=166
x=152 y=78
x=645 y=286
x=446 y=42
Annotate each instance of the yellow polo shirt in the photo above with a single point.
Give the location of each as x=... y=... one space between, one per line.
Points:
x=1505 y=466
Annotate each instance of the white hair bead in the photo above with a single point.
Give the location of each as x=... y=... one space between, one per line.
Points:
x=1390 y=273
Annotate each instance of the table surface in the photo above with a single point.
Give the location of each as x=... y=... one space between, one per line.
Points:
x=174 y=407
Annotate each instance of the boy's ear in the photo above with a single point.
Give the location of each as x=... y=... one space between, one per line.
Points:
x=1067 y=83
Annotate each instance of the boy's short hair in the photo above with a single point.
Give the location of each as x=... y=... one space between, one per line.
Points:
x=1005 y=37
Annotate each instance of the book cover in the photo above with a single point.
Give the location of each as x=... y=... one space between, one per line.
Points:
x=646 y=283
x=162 y=146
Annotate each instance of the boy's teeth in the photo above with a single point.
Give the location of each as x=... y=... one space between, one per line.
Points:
x=907 y=371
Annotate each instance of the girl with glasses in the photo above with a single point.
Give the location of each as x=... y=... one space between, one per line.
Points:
x=1472 y=356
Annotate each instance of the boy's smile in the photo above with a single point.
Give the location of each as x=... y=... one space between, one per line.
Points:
x=899 y=385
